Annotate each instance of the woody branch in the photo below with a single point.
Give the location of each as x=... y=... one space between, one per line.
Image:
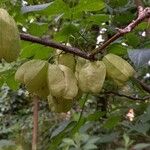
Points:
x=142 y=14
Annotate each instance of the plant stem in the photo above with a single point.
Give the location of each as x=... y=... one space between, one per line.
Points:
x=77 y=125
x=35 y=122
x=53 y=44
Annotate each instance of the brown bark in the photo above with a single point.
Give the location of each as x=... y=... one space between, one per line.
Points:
x=35 y=123
x=50 y=43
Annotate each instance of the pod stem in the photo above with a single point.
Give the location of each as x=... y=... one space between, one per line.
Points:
x=77 y=125
x=35 y=122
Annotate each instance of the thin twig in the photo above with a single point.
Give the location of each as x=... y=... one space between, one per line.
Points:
x=143 y=85
x=140 y=3
x=50 y=43
x=81 y=114
x=83 y=106
x=142 y=14
x=128 y=96
x=35 y=122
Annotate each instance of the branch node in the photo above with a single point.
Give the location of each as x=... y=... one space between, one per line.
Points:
x=147 y=10
x=125 y=30
x=140 y=9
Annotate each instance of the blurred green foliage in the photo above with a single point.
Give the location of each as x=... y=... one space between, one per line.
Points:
x=100 y=122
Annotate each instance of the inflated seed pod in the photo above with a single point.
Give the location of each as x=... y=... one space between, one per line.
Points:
x=79 y=64
x=118 y=69
x=62 y=82
x=67 y=59
x=56 y=80
x=59 y=104
x=34 y=75
x=19 y=76
x=71 y=88
x=92 y=76
x=43 y=91
x=9 y=37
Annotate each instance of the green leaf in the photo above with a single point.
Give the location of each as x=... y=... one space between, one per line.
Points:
x=89 y=5
x=143 y=26
x=144 y=117
x=7 y=145
x=140 y=127
x=117 y=48
x=4 y=142
x=93 y=139
x=95 y=116
x=36 y=51
x=117 y=3
x=7 y=72
x=106 y=138
x=90 y=146
x=126 y=140
x=59 y=134
x=10 y=80
x=98 y=18
x=57 y=7
x=38 y=29
x=123 y=18
x=148 y=110
x=141 y=146
x=66 y=32
x=5 y=67
x=79 y=124
x=112 y=122
x=69 y=141
x=132 y=39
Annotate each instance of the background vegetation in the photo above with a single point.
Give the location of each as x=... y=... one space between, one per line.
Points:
x=95 y=122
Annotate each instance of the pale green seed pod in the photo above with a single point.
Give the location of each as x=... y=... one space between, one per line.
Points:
x=59 y=104
x=71 y=88
x=80 y=62
x=118 y=69
x=34 y=75
x=9 y=37
x=92 y=76
x=62 y=82
x=67 y=59
x=19 y=76
x=56 y=80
